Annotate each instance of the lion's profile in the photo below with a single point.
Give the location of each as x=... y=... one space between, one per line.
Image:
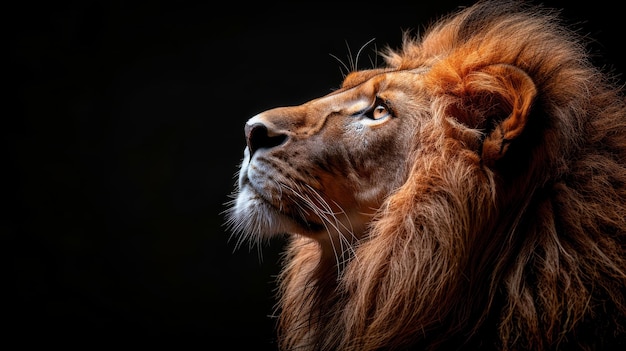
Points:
x=471 y=194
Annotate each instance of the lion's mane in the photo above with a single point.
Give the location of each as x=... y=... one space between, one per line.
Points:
x=528 y=255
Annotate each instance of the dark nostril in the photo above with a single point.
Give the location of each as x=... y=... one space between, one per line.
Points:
x=258 y=137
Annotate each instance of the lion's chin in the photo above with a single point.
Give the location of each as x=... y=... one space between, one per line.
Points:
x=258 y=219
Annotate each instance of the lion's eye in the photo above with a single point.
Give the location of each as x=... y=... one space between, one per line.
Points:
x=377 y=114
x=380 y=111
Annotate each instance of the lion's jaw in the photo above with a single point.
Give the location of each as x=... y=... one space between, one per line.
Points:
x=322 y=169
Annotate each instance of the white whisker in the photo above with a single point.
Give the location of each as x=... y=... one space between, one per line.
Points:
x=356 y=60
x=343 y=75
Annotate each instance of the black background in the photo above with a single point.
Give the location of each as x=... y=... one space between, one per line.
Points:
x=122 y=133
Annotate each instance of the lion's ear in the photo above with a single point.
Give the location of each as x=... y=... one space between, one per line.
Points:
x=495 y=98
x=515 y=91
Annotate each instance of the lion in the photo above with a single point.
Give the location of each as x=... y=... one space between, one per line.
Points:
x=470 y=194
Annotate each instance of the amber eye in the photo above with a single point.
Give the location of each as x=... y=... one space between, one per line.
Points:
x=380 y=110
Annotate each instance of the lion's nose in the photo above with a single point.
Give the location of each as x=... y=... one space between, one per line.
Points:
x=258 y=136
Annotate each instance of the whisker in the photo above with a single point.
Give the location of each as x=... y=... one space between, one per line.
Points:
x=359 y=53
x=343 y=75
x=375 y=62
x=350 y=58
x=344 y=236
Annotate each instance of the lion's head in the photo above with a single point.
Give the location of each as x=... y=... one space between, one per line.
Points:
x=469 y=194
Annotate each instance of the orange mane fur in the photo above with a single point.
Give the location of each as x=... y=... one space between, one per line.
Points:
x=530 y=255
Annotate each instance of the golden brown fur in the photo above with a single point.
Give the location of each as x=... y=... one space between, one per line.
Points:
x=503 y=227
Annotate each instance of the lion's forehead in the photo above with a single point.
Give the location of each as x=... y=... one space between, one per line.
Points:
x=311 y=116
x=381 y=75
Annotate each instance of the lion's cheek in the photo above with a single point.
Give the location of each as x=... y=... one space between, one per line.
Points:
x=373 y=179
x=372 y=196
